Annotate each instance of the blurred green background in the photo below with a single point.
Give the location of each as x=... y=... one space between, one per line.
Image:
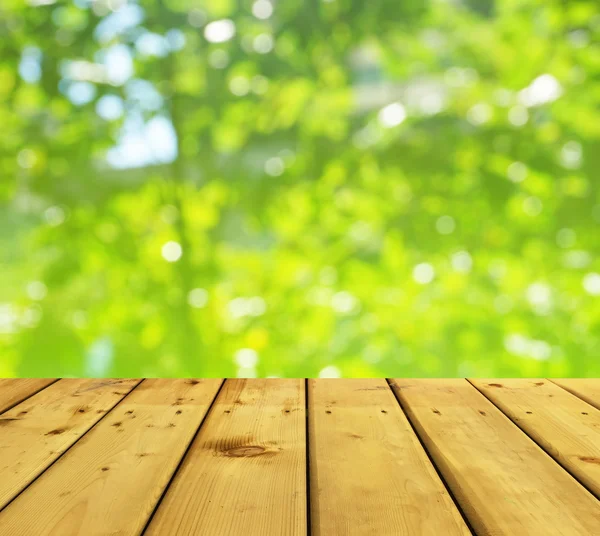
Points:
x=299 y=188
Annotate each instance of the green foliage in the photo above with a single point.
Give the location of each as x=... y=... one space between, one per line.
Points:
x=360 y=188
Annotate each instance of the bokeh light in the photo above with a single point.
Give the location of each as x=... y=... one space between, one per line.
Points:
x=290 y=189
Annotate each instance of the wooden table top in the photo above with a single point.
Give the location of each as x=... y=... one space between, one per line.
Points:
x=282 y=457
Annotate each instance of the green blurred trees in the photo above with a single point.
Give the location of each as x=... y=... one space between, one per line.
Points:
x=321 y=223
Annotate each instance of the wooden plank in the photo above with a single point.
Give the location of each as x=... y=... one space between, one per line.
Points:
x=566 y=427
x=111 y=480
x=38 y=431
x=367 y=467
x=15 y=390
x=245 y=472
x=503 y=481
x=586 y=389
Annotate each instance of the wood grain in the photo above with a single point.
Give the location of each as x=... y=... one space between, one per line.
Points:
x=566 y=427
x=36 y=432
x=503 y=481
x=111 y=480
x=15 y=390
x=586 y=389
x=367 y=467
x=245 y=473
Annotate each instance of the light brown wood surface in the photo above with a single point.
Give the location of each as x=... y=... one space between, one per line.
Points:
x=245 y=473
x=369 y=474
x=566 y=427
x=186 y=457
x=586 y=389
x=36 y=432
x=111 y=480
x=504 y=482
x=15 y=390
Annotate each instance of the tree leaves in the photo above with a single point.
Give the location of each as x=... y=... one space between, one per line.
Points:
x=386 y=189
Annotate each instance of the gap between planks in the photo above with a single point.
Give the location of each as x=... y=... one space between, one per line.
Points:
x=309 y=530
